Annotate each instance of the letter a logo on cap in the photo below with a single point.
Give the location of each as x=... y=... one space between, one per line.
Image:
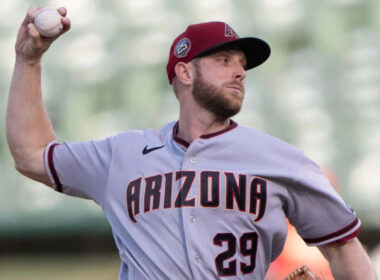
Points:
x=229 y=32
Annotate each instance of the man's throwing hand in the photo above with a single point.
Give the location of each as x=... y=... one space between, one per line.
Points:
x=30 y=45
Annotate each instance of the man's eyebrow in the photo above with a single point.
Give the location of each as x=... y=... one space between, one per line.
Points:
x=224 y=52
x=243 y=57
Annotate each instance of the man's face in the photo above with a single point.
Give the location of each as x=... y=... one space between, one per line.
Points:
x=219 y=82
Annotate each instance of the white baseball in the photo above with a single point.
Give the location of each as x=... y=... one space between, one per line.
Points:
x=48 y=22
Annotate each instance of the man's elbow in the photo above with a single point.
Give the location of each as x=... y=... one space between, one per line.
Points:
x=23 y=167
x=32 y=166
x=23 y=162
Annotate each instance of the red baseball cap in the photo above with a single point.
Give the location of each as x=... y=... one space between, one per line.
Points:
x=199 y=39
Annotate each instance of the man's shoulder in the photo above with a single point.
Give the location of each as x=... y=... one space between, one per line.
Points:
x=274 y=156
x=145 y=133
x=259 y=138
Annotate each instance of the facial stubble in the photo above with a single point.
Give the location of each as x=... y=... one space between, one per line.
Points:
x=214 y=99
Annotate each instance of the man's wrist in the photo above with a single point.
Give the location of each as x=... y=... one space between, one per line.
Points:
x=21 y=60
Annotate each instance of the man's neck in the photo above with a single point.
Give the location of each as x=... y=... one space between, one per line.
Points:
x=193 y=125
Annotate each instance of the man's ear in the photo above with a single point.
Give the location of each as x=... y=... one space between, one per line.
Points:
x=183 y=72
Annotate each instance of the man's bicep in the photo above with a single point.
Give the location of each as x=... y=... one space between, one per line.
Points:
x=33 y=167
x=348 y=260
x=332 y=250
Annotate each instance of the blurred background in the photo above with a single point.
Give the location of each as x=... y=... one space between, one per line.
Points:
x=320 y=91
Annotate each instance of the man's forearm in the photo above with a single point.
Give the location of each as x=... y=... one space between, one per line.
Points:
x=28 y=127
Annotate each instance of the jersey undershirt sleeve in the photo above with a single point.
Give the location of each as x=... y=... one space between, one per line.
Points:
x=317 y=211
x=79 y=169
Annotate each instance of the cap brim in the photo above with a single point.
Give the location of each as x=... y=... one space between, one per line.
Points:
x=256 y=50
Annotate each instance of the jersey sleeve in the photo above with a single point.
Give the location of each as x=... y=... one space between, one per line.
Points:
x=317 y=211
x=79 y=169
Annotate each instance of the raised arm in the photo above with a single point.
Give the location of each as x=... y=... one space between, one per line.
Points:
x=348 y=260
x=28 y=127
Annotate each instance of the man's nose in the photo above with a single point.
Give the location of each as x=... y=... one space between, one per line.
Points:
x=240 y=72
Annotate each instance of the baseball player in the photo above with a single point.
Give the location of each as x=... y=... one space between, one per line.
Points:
x=202 y=198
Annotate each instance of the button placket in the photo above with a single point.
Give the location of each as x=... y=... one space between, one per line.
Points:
x=189 y=219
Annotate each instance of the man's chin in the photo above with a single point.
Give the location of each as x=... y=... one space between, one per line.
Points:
x=226 y=113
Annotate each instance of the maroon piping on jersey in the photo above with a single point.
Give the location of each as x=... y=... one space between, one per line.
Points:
x=205 y=136
x=336 y=234
x=52 y=168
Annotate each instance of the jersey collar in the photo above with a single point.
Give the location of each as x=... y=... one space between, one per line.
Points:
x=204 y=136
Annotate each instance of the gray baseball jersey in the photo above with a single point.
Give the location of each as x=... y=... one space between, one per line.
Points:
x=214 y=208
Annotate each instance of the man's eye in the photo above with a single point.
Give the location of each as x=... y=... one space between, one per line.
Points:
x=223 y=59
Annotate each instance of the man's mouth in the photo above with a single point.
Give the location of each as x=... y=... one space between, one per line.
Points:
x=236 y=87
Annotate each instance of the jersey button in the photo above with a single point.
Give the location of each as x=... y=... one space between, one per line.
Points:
x=193 y=160
x=192 y=219
x=197 y=259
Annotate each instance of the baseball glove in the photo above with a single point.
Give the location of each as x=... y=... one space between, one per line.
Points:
x=302 y=273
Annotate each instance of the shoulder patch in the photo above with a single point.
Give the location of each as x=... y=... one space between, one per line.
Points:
x=182 y=48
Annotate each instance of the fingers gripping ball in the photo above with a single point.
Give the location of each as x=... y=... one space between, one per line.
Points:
x=302 y=273
x=48 y=22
